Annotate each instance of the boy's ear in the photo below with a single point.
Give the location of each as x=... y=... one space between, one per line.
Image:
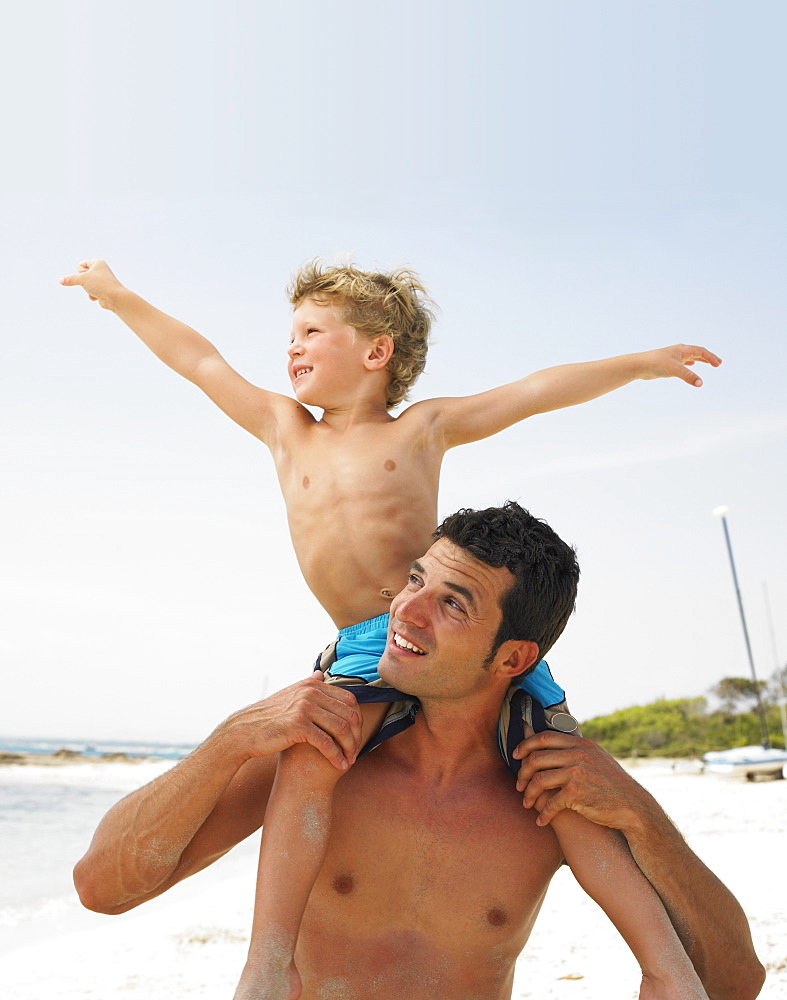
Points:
x=515 y=656
x=379 y=353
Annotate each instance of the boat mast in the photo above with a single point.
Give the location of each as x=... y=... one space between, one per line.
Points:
x=766 y=742
x=778 y=674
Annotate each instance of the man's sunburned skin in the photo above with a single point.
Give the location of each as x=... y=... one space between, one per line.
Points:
x=369 y=509
x=343 y=884
x=397 y=911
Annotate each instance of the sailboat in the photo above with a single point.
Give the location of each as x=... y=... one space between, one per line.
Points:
x=750 y=762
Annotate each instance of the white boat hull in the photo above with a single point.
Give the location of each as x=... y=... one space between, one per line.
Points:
x=745 y=762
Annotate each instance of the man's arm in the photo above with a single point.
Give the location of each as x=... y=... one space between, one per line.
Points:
x=471 y=418
x=186 y=352
x=560 y=771
x=193 y=814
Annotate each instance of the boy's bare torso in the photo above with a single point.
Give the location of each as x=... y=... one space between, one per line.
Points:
x=423 y=893
x=361 y=505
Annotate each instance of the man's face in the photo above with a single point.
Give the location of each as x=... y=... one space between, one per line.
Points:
x=443 y=624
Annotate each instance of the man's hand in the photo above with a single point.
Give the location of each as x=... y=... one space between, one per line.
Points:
x=673 y=362
x=309 y=711
x=560 y=771
x=97 y=280
x=194 y=813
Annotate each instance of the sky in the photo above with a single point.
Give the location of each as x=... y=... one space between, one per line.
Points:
x=572 y=181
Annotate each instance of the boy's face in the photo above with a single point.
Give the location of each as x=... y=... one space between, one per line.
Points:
x=324 y=354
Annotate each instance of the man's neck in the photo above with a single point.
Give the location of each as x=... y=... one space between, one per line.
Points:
x=450 y=741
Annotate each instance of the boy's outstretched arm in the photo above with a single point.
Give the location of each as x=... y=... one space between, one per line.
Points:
x=184 y=350
x=603 y=866
x=471 y=418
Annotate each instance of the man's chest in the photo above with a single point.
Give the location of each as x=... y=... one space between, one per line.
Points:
x=463 y=865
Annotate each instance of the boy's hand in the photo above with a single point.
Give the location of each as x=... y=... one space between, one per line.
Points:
x=671 y=362
x=97 y=280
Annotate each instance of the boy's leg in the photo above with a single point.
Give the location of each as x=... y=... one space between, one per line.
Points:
x=294 y=843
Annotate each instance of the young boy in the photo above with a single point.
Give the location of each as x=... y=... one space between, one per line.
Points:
x=361 y=492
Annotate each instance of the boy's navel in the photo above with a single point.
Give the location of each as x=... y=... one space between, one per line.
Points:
x=306 y=482
x=386 y=593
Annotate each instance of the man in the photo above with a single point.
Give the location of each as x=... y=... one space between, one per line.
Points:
x=434 y=873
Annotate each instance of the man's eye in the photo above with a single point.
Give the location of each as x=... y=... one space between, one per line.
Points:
x=452 y=602
x=413 y=579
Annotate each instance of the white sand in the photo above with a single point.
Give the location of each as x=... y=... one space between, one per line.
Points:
x=191 y=943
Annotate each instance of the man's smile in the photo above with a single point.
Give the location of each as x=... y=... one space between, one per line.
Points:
x=403 y=643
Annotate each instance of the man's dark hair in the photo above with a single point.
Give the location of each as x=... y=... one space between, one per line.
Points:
x=540 y=601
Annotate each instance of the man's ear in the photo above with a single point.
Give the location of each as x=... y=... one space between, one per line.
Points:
x=379 y=353
x=515 y=656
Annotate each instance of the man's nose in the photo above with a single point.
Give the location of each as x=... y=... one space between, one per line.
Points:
x=412 y=609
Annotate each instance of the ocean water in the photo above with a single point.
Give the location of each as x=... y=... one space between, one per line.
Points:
x=163 y=751
x=47 y=817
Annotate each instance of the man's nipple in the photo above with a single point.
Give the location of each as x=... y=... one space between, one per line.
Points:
x=344 y=884
x=497 y=916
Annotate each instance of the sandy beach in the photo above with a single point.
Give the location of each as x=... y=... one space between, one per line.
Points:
x=191 y=943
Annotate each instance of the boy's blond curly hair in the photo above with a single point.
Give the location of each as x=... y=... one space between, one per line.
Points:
x=395 y=303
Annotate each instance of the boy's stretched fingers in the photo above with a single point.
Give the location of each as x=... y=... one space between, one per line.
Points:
x=76 y=279
x=702 y=354
x=689 y=376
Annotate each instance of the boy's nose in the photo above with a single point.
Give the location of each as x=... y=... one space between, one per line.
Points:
x=293 y=350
